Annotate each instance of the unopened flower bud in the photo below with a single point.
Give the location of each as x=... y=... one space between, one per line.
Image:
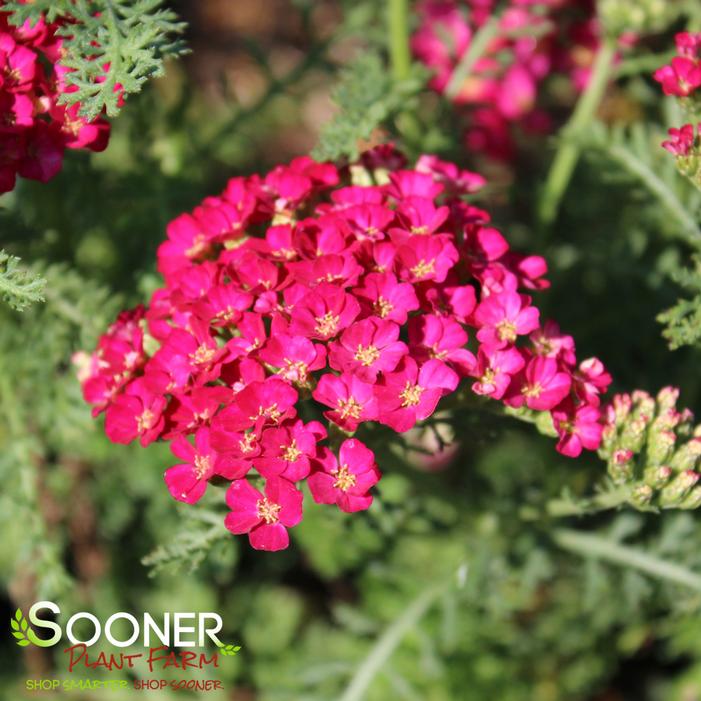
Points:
x=633 y=434
x=657 y=477
x=620 y=466
x=687 y=455
x=666 y=420
x=622 y=404
x=667 y=398
x=642 y=400
x=675 y=492
x=608 y=437
x=642 y=495
x=692 y=500
x=660 y=445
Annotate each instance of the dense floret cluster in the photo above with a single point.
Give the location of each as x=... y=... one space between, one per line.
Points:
x=301 y=305
x=654 y=448
x=532 y=42
x=35 y=129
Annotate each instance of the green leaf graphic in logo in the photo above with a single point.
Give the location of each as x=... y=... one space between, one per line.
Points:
x=24 y=634
x=228 y=650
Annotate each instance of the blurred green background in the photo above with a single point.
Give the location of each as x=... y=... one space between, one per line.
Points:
x=454 y=586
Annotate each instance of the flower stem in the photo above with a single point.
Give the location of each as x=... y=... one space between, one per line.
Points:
x=600 y=502
x=477 y=47
x=398 y=30
x=393 y=635
x=567 y=154
x=630 y=162
x=594 y=546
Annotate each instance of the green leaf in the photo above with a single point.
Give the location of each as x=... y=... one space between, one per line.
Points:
x=366 y=97
x=23 y=643
x=19 y=288
x=131 y=37
x=14 y=624
x=18 y=634
x=18 y=615
x=683 y=320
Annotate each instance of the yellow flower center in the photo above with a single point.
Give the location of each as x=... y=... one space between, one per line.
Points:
x=291 y=452
x=488 y=377
x=295 y=368
x=267 y=510
x=203 y=464
x=383 y=307
x=199 y=245
x=145 y=421
x=568 y=426
x=345 y=479
x=367 y=356
x=438 y=354
x=424 y=268
x=271 y=412
x=246 y=444
x=203 y=355
x=506 y=330
x=326 y=325
x=226 y=315
x=411 y=395
x=419 y=230
x=349 y=407
x=532 y=390
x=72 y=126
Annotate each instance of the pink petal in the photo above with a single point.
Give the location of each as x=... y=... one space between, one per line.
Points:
x=183 y=484
x=269 y=536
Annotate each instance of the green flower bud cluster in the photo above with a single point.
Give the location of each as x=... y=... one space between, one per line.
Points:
x=654 y=448
x=690 y=166
x=637 y=16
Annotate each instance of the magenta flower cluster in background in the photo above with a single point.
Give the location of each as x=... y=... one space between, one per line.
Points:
x=34 y=129
x=682 y=78
x=301 y=305
x=534 y=41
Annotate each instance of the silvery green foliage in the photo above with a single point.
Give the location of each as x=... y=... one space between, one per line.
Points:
x=112 y=46
x=19 y=287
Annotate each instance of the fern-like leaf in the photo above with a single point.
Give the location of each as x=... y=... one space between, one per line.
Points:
x=366 y=96
x=683 y=320
x=19 y=287
x=111 y=46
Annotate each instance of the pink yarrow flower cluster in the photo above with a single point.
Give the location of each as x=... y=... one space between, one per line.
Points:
x=300 y=306
x=682 y=79
x=535 y=40
x=34 y=129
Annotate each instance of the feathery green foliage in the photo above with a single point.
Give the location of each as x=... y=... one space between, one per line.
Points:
x=366 y=97
x=112 y=46
x=19 y=287
x=683 y=321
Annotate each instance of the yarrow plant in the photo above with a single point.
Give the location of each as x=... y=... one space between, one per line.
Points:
x=681 y=78
x=493 y=63
x=302 y=306
x=35 y=129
